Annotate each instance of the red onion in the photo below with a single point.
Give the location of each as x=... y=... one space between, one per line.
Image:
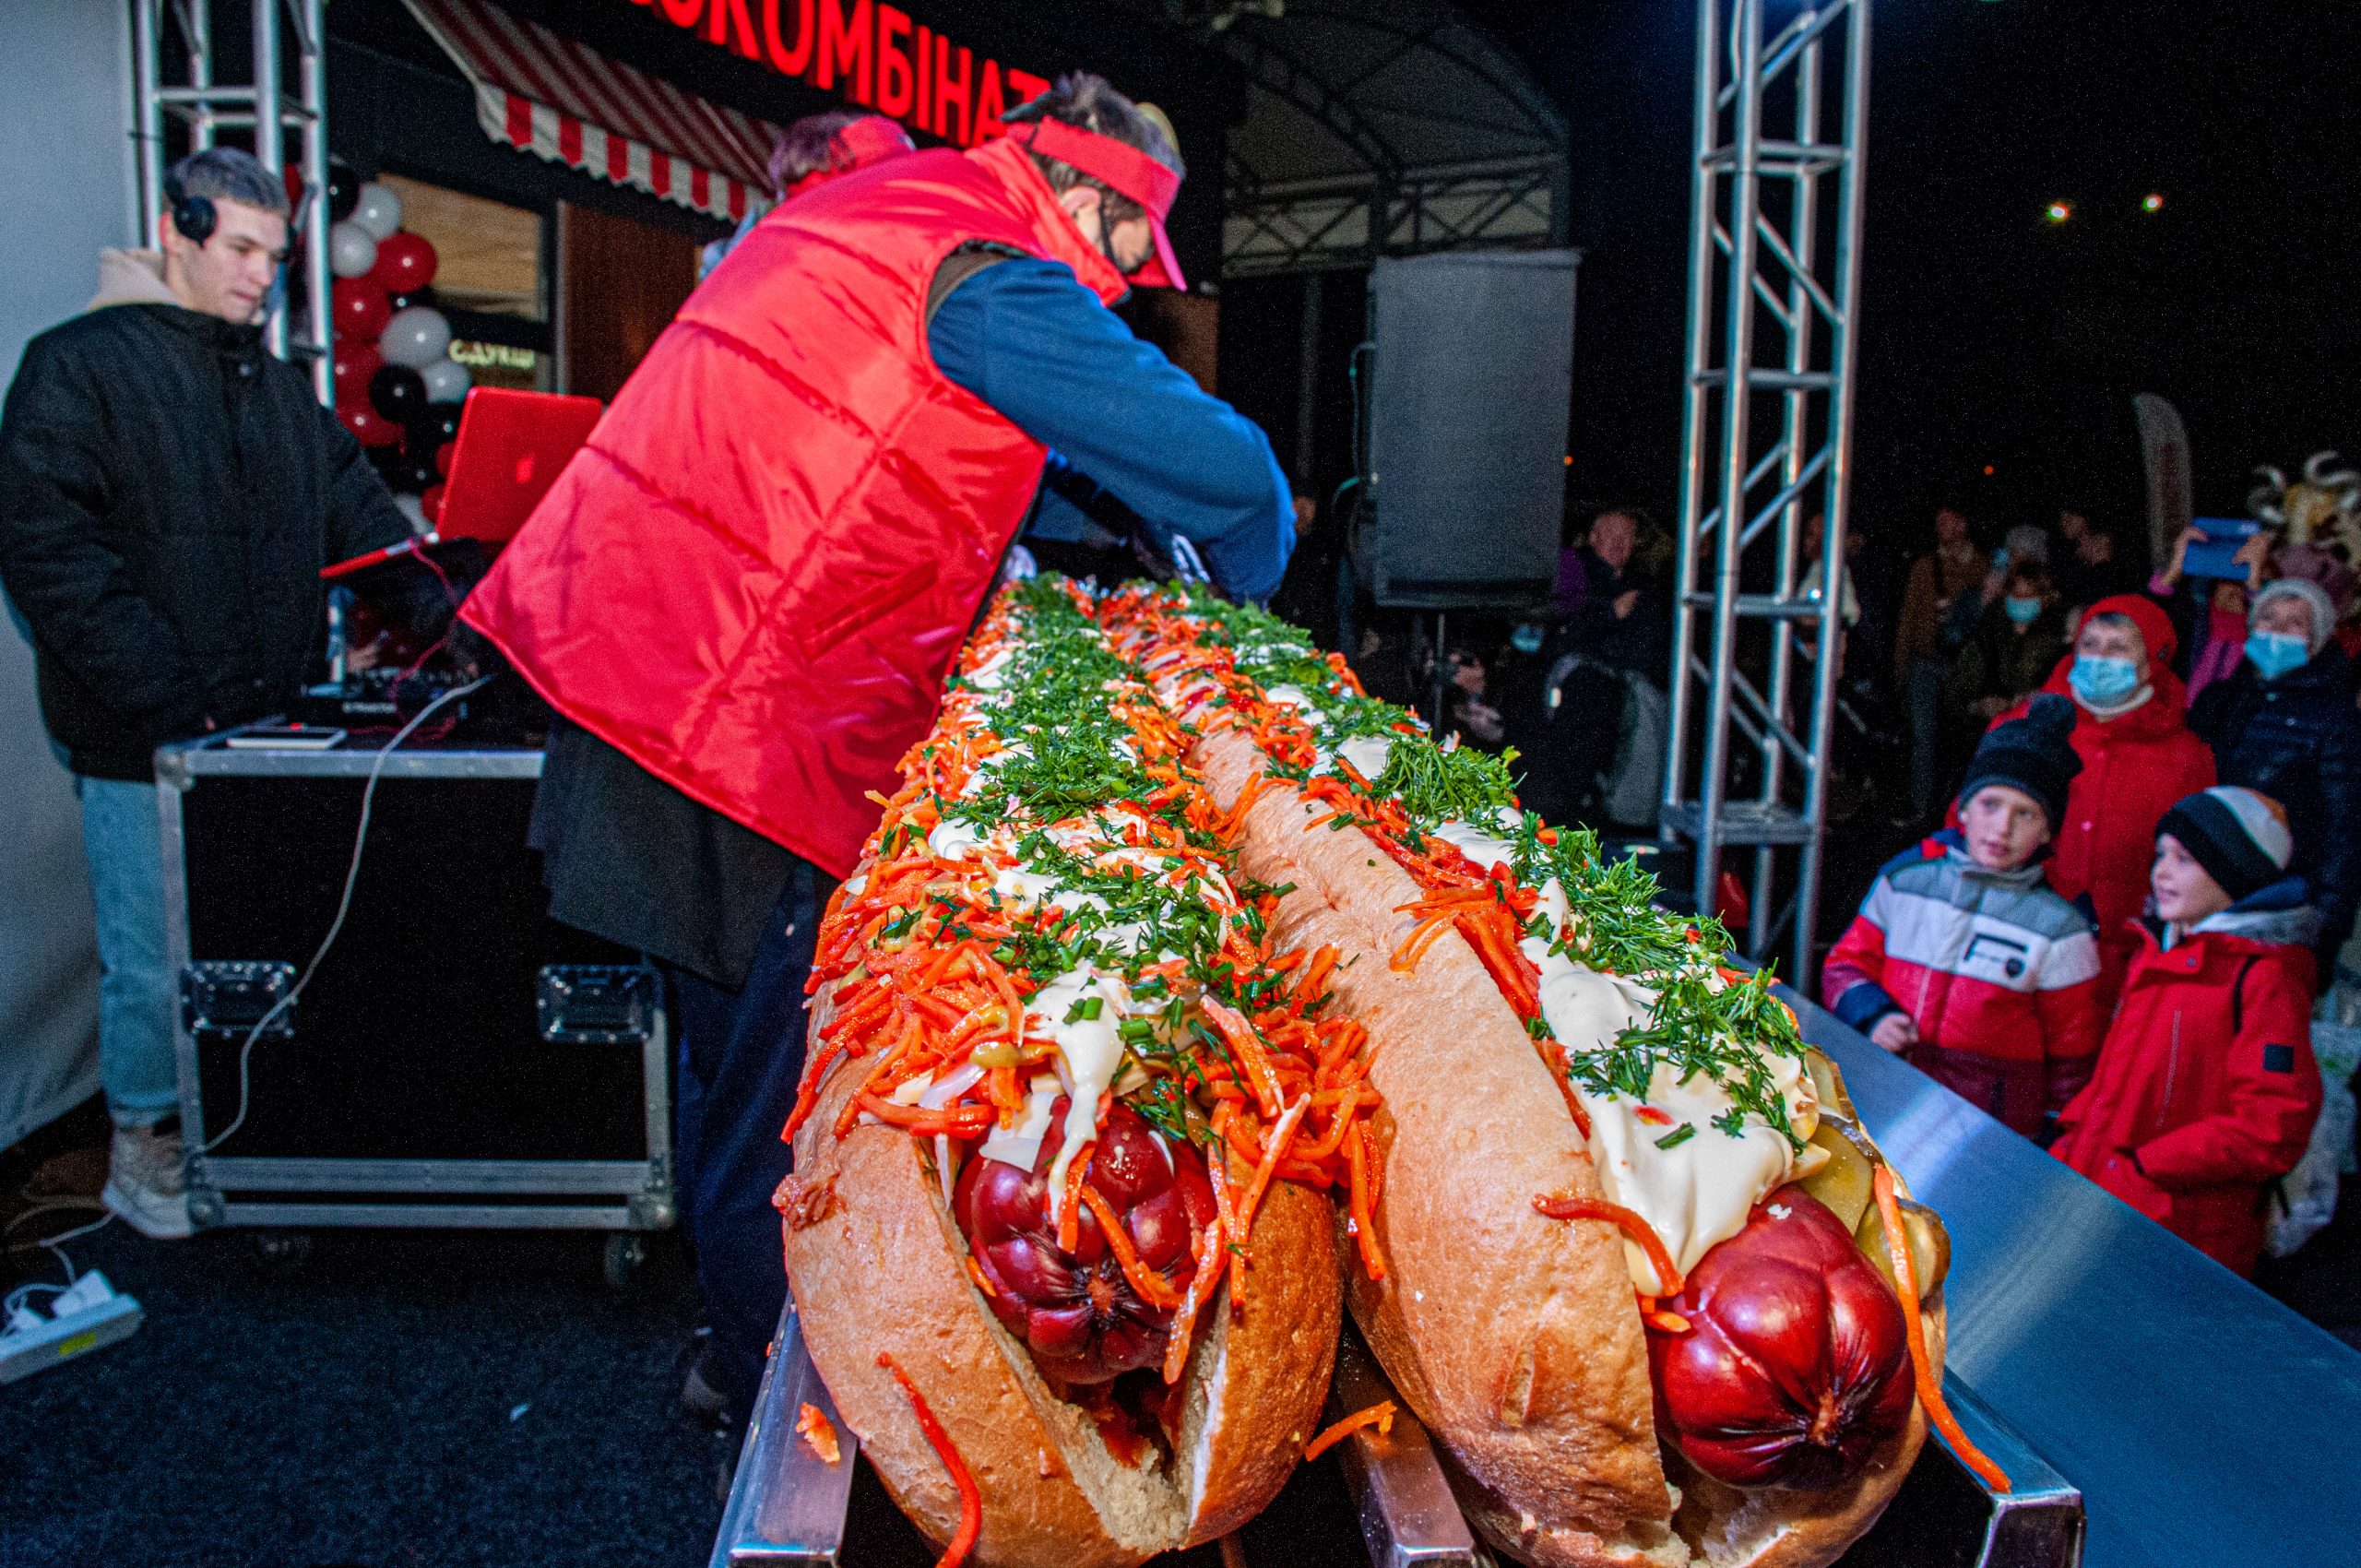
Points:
x=1795 y=1364
x=1076 y=1311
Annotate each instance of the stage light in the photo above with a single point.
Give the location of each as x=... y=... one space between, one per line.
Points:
x=2058 y=212
x=1987 y=470
x=2154 y=203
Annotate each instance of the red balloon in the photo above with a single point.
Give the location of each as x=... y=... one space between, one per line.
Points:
x=292 y=178
x=368 y=426
x=429 y=503
x=359 y=308
x=405 y=263
x=443 y=456
x=356 y=361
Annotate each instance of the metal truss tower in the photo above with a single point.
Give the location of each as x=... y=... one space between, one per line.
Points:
x=173 y=39
x=1773 y=275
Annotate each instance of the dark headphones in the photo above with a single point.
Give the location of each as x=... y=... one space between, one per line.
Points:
x=194 y=216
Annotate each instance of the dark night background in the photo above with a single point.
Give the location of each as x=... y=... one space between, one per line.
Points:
x=1989 y=335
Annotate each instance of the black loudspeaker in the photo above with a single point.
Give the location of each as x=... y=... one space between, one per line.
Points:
x=1474 y=366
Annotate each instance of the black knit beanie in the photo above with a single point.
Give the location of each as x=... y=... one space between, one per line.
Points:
x=2035 y=753
x=2244 y=856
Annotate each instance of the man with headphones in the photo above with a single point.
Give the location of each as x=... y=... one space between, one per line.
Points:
x=167 y=494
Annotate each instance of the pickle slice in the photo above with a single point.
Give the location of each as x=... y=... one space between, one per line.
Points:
x=1842 y=1183
x=1930 y=1245
x=1829 y=1084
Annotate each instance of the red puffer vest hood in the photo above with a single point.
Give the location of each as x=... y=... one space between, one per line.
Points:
x=752 y=579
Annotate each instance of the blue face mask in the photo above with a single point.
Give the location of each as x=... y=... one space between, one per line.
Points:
x=2276 y=653
x=2103 y=682
x=2024 y=612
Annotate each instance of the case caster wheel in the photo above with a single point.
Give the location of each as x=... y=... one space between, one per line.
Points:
x=624 y=1252
x=280 y=1253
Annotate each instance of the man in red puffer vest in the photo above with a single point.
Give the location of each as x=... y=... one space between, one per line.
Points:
x=744 y=595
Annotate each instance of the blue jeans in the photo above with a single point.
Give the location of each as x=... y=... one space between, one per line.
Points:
x=741 y=1055
x=122 y=844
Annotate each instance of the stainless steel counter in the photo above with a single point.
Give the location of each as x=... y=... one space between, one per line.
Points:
x=2205 y=1423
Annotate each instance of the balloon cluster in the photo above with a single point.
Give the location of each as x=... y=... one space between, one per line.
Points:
x=397 y=388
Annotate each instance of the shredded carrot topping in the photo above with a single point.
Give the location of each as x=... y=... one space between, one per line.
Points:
x=1212 y=1254
x=1633 y=1225
x=971 y=1501
x=922 y=977
x=1150 y=1285
x=1379 y=1415
x=1931 y=1386
x=817 y=1430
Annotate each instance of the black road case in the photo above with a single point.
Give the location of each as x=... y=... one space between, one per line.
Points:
x=459 y=1058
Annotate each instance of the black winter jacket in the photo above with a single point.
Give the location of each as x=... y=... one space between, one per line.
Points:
x=2298 y=740
x=168 y=495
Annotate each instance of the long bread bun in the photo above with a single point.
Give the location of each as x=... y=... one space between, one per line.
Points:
x=875 y=1262
x=1045 y=918
x=1514 y=1338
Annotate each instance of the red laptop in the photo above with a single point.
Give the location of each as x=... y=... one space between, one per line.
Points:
x=511 y=447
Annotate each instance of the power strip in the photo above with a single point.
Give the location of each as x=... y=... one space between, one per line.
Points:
x=90 y=1316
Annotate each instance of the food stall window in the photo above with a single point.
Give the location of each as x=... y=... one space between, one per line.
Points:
x=493 y=279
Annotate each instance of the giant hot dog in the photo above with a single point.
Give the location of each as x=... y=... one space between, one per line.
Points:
x=1638 y=1278
x=1056 y=1230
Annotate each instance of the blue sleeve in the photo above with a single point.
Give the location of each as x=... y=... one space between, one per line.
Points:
x=1030 y=340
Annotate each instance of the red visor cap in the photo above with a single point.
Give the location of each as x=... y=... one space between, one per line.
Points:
x=1121 y=167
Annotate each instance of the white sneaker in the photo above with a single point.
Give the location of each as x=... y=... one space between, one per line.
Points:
x=144 y=1186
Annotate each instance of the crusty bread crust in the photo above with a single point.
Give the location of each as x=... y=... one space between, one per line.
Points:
x=1513 y=1337
x=874 y=1262
x=1259 y=1371
x=874 y=1266
x=1491 y=1320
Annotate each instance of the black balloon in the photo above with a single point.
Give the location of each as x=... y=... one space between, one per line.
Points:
x=416 y=476
x=415 y=297
x=397 y=392
x=431 y=429
x=389 y=462
x=344 y=190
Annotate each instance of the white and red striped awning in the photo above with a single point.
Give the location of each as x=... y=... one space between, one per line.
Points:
x=558 y=100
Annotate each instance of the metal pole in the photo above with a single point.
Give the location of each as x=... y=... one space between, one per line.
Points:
x=1696 y=399
x=1803 y=215
x=1738 y=359
x=196 y=22
x=148 y=120
x=270 y=146
x=313 y=66
x=1842 y=356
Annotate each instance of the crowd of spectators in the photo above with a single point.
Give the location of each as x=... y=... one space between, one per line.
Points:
x=2126 y=807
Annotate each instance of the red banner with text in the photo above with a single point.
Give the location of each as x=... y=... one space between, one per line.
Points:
x=867 y=52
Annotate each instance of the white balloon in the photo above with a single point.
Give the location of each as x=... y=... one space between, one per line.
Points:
x=379 y=210
x=353 y=250
x=447 y=381
x=416 y=337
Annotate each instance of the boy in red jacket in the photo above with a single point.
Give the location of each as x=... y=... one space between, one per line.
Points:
x=2206 y=1089
x=1962 y=957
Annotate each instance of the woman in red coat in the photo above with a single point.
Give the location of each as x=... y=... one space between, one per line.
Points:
x=2137 y=758
x=2206 y=1089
